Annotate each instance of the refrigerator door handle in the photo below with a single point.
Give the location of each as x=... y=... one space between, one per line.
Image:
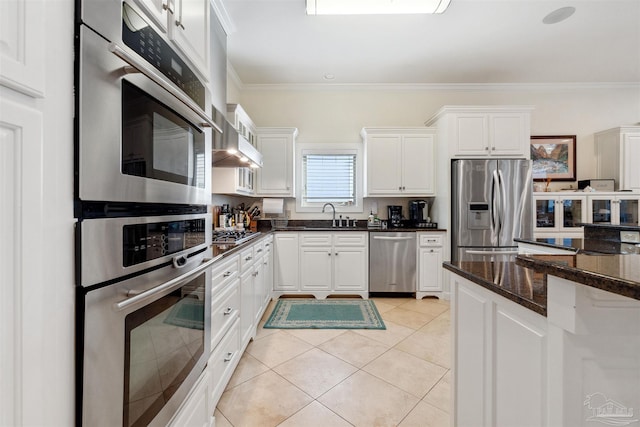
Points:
x=495 y=206
x=503 y=198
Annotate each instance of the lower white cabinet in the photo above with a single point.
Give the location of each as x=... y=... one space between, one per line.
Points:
x=197 y=410
x=224 y=359
x=499 y=359
x=430 y=258
x=324 y=263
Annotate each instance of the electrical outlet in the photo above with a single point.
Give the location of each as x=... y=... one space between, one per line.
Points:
x=630 y=236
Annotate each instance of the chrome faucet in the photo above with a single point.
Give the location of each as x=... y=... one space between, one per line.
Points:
x=333 y=222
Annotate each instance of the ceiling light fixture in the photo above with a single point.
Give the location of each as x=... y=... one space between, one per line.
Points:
x=559 y=15
x=328 y=76
x=375 y=7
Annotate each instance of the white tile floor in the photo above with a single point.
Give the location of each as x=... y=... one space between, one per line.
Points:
x=394 y=377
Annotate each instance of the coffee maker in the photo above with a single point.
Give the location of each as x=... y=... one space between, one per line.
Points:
x=418 y=212
x=395 y=216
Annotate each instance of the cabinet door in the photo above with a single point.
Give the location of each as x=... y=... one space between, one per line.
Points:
x=627 y=210
x=418 y=168
x=275 y=178
x=571 y=212
x=197 y=410
x=190 y=33
x=157 y=11
x=286 y=262
x=350 y=269
x=600 y=209
x=430 y=269
x=471 y=134
x=247 y=291
x=267 y=277
x=383 y=165
x=315 y=268
x=507 y=135
x=258 y=291
x=630 y=179
x=545 y=213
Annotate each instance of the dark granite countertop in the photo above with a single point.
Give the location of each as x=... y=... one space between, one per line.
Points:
x=521 y=285
x=228 y=249
x=618 y=274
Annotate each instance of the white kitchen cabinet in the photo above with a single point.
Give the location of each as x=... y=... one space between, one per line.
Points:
x=286 y=264
x=329 y=264
x=247 y=297
x=238 y=181
x=242 y=123
x=224 y=359
x=558 y=214
x=189 y=30
x=499 y=359
x=484 y=131
x=613 y=208
x=399 y=161
x=267 y=262
x=430 y=258
x=158 y=11
x=276 y=176
x=23 y=36
x=258 y=284
x=617 y=154
x=196 y=410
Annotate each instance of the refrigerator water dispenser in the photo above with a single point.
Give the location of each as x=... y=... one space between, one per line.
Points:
x=478 y=216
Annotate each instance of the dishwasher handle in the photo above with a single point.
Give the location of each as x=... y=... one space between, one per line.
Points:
x=393 y=238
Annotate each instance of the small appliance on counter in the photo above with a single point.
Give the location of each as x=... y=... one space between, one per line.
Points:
x=418 y=213
x=395 y=216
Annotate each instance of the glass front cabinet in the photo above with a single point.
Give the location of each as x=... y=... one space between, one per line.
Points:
x=614 y=209
x=559 y=213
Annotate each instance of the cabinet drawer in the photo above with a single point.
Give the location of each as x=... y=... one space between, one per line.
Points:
x=223 y=360
x=258 y=249
x=315 y=239
x=350 y=239
x=430 y=240
x=224 y=310
x=223 y=274
x=246 y=259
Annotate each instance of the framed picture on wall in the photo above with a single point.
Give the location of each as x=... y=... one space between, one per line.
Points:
x=554 y=157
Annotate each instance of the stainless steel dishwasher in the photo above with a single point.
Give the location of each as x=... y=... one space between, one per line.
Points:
x=392 y=262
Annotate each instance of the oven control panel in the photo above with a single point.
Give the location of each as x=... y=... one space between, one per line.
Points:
x=144 y=242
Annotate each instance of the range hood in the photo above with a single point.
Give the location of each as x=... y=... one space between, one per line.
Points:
x=231 y=150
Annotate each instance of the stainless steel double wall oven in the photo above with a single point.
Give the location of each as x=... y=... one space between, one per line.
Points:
x=143 y=233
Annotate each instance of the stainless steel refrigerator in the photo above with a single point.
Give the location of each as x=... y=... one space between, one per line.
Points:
x=492 y=204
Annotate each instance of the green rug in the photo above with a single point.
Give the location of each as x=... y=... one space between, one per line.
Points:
x=325 y=314
x=187 y=313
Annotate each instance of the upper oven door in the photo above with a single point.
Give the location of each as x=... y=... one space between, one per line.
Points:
x=140 y=139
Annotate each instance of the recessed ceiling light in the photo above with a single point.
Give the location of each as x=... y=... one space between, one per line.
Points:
x=559 y=15
x=369 y=7
x=328 y=76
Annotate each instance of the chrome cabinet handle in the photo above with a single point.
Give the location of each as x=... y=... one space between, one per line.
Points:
x=227 y=274
x=259 y=250
x=166 y=7
x=229 y=357
x=228 y=311
x=249 y=258
x=164 y=83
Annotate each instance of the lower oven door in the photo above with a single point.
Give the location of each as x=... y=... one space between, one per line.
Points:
x=146 y=342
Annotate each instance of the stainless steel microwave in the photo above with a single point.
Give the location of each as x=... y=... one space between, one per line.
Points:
x=144 y=129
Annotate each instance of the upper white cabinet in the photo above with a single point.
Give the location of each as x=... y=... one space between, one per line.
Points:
x=233 y=181
x=276 y=177
x=22 y=46
x=484 y=131
x=617 y=154
x=242 y=122
x=399 y=161
x=158 y=11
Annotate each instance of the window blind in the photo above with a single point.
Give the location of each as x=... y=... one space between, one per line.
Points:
x=329 y=178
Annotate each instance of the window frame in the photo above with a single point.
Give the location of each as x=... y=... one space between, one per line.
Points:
x=328 y=148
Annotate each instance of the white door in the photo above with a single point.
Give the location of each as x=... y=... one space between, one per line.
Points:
x=190 y=33
x=418 y=169
x=286 y=262
x=430 y=267
x=383 y=165
x=350 y=269
x=315 y=268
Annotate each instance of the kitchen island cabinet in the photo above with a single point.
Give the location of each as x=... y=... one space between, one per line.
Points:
x=399 y=162
x=561 y=327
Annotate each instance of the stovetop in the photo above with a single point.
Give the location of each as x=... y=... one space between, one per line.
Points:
x=226 y=237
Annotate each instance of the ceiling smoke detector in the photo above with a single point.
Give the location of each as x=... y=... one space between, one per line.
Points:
x=375 y=7
x=559 y=15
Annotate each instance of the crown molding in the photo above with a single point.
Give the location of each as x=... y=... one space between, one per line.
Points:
x=223 y=16
x=463 y=87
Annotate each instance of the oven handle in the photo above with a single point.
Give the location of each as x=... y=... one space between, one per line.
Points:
x=147 y=71
x=173 y=283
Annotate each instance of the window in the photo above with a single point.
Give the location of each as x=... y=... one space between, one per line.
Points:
x=329 y=178
x=329 y=173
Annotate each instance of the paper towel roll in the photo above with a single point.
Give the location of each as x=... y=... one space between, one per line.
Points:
x=273 y=206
